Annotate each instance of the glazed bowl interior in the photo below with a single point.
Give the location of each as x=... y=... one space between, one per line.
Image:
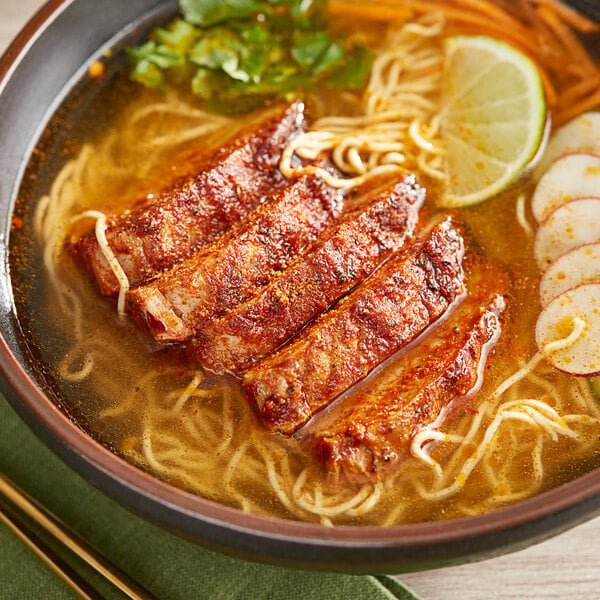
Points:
x=37 y=73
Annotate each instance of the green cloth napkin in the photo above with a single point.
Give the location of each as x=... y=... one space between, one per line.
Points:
x=169 y=567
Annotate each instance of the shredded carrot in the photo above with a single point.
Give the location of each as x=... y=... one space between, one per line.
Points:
x=552 y=96
x=579 y=72
x=515 y=32
x=542 y=29
x=454 y=28
x=361 y=10
x=537 y=25
x=580 y=90
x=566 y=37
x=376 y=10
x=570 y=16
x=569 y=112
x=486 y=8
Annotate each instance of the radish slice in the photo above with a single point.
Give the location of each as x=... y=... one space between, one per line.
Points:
x=571 y=176
x=582 y=134
x=571 y=225
x=576 y=311
x=577 y=267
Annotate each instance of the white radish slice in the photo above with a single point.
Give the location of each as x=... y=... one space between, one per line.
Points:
x=577 y=267
x=570 y=225
x=576 y=311
x=572 y=176
x=582 y=134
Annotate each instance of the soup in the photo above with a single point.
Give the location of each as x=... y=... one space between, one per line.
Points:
x=522 y=427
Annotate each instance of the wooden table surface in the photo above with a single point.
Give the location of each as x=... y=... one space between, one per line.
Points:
x=567 y=566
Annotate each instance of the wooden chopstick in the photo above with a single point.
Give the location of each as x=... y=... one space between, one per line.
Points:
x=70 y=539
x=52 y=560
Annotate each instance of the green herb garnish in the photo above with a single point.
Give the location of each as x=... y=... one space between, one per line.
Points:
x=210 y=12
x=233 y=54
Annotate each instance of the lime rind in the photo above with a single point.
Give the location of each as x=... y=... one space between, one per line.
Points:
x=495 y=102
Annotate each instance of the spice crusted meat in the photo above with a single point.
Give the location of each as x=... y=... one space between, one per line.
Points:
x=346 y=254
x=162 y=232
x=393 y=307
x=371 y=432
x=236 y=265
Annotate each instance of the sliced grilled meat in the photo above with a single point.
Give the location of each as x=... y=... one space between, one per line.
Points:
x=162 y=232
x=377 y=319
x=370 y=433
x=344 y=256
x=237 y=264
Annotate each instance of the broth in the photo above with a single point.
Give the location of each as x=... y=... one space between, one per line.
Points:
x=197 y=431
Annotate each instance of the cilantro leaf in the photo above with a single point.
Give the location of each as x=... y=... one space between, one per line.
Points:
x=356 y=71
x=161 y=56
x=234 y=61
x=220 y=49
x=255 y=34
x=254 y=62
x=332 y=55
x=301 y=12
x=150 y=60
x=205 y=83
x=211 y=12
x=180 y=36
x=309 y=47
x=316 y=52
x=148 y=74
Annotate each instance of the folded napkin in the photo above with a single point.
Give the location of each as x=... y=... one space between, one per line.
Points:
x=169 y=567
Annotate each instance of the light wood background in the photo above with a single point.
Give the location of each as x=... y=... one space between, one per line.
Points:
x=567 y=566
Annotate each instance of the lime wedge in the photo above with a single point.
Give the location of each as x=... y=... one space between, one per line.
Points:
x=494 y=114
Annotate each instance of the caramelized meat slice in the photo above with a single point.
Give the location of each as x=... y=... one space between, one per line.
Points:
x=343 y=256
x=341 y=346
x=237 y=264
x=370 y=433
x=164 y=231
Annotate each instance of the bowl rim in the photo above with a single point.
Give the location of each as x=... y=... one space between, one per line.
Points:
x=204 y=520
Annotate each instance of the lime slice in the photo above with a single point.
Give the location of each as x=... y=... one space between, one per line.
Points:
x=493 y=117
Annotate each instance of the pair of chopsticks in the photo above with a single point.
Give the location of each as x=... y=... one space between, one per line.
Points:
x=16 y=507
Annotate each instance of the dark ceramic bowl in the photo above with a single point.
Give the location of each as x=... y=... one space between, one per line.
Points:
x=36 y=73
